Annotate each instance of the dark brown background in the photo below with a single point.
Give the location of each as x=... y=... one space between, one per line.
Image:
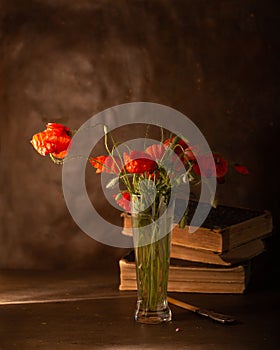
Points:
x=64 y=61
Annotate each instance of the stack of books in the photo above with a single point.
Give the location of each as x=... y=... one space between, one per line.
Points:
x=216 y=258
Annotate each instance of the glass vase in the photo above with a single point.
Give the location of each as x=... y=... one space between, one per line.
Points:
x=152 y=226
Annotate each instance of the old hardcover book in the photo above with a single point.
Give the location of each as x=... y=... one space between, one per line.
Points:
x=225 y=228
x=234 y=256
x=190 y=277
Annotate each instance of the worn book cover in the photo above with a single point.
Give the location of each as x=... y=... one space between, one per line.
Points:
x=224 y=229
x=185 y=276
x=234 y=256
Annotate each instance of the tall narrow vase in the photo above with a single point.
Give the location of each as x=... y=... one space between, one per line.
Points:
x=152 y=243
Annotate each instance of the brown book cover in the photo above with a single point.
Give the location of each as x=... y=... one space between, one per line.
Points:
x=234 y=256
x=187 y=276
x=224 y=229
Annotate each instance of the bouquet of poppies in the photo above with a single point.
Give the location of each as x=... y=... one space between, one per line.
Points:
x=169 y=163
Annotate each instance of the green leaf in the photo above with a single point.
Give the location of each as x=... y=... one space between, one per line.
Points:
x=118 y=196
x=113 y=182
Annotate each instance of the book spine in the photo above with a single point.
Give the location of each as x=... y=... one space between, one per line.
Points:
x=197 y=287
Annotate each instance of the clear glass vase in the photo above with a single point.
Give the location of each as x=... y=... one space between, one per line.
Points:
x=152 y=242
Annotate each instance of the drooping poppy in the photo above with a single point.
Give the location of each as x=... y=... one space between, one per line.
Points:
x=54 y=140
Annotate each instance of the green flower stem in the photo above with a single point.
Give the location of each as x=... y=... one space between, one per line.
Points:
x=152 y=253
x=152 y=270
x=107 y=147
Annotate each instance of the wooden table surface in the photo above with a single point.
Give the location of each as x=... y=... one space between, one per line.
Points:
x=84 y=310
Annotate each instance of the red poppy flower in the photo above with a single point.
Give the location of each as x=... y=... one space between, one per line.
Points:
x=189 y=152
x=182 y=149
x=156 y=151
x=179 y=145
x=241 y=169
x=54 y=140
x=179 y=142
x=138 y=162
x=221 y=165
x=205 y=169
x=106 y=164
x=58 y=129
x=124 y=200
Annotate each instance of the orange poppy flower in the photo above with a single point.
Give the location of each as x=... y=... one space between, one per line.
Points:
x=106 y=164
x=54 y=140
x=156 y=151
